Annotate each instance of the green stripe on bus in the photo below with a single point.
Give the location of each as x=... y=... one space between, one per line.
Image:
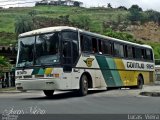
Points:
x=41 y=71
x=35 y=71
x=105 y=68
x=114 y=71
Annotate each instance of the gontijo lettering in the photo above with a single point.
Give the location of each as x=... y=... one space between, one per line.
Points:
x=135 y=65
x=139 y=65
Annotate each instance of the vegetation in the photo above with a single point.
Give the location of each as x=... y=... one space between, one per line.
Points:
x=109 y=5
x=81 y=21
x=135 y=8
x=23 y=24
x=120 y=35
x=135 y=13
x=114 y=22
x=153 y=16
x=4 y=61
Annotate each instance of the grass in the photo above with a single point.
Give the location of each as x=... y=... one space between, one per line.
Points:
x=7 y=38
x=7 y=23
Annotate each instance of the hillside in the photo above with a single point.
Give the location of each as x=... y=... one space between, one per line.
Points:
x=99 y=20
x=147 y=32
x=8 y=17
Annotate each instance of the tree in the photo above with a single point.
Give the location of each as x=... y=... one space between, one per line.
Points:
x=135 y=13
x=153 y=16
x=134 y=16
x=76 y=4
x=122 y=8
x=135 y=8
x=4 y=61
x=109 y=5
x=23 y=24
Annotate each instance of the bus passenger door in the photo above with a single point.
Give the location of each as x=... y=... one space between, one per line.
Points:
x=70 y=56
x=67 y=56
x=67 y=64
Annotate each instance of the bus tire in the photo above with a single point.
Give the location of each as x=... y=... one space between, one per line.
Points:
x=48 y=93
x=139 y=82
x=83 y=85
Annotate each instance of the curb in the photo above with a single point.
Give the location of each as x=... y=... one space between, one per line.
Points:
x=157 y=82
x=152 y=94
x=9 y=90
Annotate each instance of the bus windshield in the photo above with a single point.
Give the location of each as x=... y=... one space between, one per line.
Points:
x=39 y=50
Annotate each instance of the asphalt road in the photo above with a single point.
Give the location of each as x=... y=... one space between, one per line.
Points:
x=96 y=102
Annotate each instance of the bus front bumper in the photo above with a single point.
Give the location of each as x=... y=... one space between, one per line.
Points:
x=37 y=85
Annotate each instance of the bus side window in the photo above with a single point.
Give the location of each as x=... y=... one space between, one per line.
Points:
x=129 y=51
x=133 y=50
x=86 y=43
x=106 y=47
x=94 y=45
x=118 y=50
x=149 y=55
x=140 y=53
x=143 y=53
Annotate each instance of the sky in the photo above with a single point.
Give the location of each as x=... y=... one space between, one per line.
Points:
x=144 y=4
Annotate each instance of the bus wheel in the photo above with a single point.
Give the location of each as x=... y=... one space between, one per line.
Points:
x=83 y=85
x=48 y=93
x=140 y=82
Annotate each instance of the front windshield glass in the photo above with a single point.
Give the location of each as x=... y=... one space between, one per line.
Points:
x=26 y=51
x=47 y=49
x=39 y=50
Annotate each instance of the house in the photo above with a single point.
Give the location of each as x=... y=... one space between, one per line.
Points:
x=60 y=2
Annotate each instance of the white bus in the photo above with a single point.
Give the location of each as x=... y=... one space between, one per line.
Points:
x=68 y=58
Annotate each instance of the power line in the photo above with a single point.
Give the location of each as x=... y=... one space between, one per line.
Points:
x=8 y=1
x=17 y=3
x=14 y=1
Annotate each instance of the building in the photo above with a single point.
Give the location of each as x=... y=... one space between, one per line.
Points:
x=60 y=2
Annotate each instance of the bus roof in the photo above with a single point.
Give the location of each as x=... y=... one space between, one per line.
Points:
x=59 y=28
x=46 y=30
